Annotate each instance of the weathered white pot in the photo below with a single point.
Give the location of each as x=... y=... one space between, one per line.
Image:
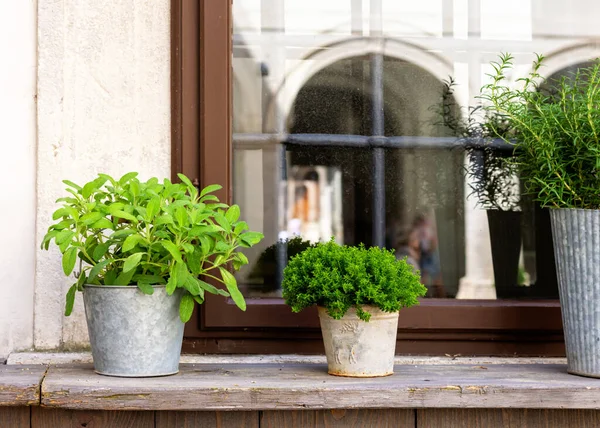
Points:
x=357 y=348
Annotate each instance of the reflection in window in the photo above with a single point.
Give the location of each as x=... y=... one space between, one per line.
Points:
x=336 y=135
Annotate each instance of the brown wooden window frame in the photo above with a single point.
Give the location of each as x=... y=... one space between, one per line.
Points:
x=202 y=148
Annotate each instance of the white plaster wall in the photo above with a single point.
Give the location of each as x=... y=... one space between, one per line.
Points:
x=17 y=172
x=103 y=106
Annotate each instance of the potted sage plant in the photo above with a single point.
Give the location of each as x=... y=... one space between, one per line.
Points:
x=557 y=147
x=145 y=252
x=358 y=293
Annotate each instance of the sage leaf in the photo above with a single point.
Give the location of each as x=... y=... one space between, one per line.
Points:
x=132 y=261
x=212 y=289
x=232 y=287
x=186 y=308
x=70 y=300
x=131 y=241
x=96 y=269
x=100 y=251
x=68 y=260
x=172 y=249
x=209 y=189
x=233 y=213
x=145 y=287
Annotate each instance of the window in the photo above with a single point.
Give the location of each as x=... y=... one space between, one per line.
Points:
x=319 y=118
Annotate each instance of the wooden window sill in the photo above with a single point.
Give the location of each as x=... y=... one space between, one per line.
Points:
x=291 y=386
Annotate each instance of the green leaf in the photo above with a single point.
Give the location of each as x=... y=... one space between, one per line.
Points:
x=131 y=241
x=47 y=238
x=181 y=216
x=186 y=308
x=127 y=177
x=71 y=184
x=232 y=287
x=181 y=274
x=251 y=238
x=103 y=223
x=124 y=278
x=68 y=260
x=240 y=227
x=233 y=213
x=203 y=230
x=222 y=247
x=70 y=300
x=172 y=249
x=188 y=248
x=152 y=209
x=64 y=236
x=206 y=244
x=61 y=212
x=199 y=299
x=110 y=278
x=191 y=285
x=120 y=234
x=150 y=279
x=192 y=189
x=145 y=287
x=163 y=219
x=88 y=189
x=209 y=189
x=80 y=281
x=132 y=261
x=122 y=214
x=212 y=289
x=97 y=268
x=172 y=282
x=91 y=218
x=100 y=251
x=194 y=261
x=222 y=221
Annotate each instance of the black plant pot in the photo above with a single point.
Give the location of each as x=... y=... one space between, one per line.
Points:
x=505 y=237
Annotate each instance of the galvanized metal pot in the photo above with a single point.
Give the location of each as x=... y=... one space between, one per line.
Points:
x=576 y=234
x=133 y=334
x=357 y=348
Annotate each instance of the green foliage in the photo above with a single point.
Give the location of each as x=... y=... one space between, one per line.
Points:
x=129 y=232
x=340 y=277
x=267 y=262
x=557 y=132
x=491 y=171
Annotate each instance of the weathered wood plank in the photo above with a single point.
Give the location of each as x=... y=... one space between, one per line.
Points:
x=507 y=418
x=307 y=386
x=20 y=385
x=64 y=418
x=14 y=417
x=169 y=419
x=341 y=418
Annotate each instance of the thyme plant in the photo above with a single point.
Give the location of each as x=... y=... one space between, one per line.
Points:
x=340 y=277
x=557 y=131
x=130 y=232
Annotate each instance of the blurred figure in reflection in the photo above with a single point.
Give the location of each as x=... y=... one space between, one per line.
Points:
x=408 y=246
x=431 y=273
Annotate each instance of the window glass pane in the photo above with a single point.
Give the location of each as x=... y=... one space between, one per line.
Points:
x=343 y=129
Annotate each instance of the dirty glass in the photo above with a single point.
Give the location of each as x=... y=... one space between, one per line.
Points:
x=344 y=128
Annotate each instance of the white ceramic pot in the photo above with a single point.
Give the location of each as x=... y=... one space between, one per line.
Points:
x=357 y=348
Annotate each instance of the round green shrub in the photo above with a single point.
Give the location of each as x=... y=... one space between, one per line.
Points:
x=340 y=277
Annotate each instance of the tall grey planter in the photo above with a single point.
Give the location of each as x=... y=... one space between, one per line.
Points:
x=576 y=234
x=133 y=334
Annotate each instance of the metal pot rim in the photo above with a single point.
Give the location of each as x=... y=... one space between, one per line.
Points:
x=120 y=287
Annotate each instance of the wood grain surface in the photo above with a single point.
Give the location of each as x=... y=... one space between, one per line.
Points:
x=507 y=418
x=65 y=418
x=20 y=385
x=341 y=418
x=308 y=386
x=166 y=419
x=14 y=417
